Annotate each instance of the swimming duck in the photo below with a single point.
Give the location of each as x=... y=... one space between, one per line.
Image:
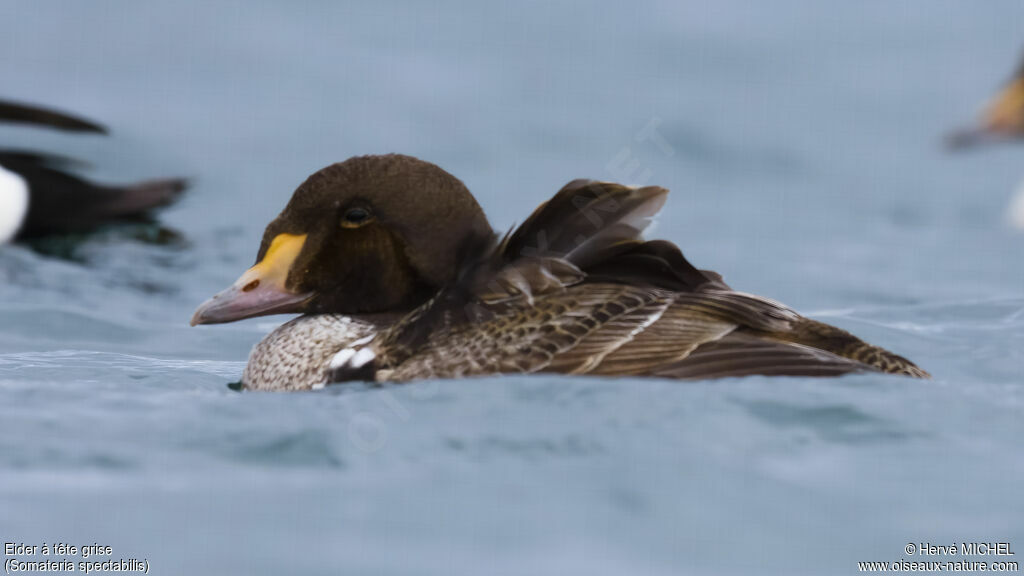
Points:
x=1002 y=118
x=399 y=276
x=40 y=196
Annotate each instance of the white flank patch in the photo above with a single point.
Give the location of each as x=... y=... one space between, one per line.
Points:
x=1016 y=209
x=352 y=358
x=362 y=358
x=352 y=355
x=13 y=203
x=341 y=358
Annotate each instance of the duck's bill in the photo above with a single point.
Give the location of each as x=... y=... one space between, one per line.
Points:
x=261 y=290
x=1003 y=119
x=237 y=303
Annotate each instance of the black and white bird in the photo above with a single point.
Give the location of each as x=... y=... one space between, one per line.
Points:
x=41 y=196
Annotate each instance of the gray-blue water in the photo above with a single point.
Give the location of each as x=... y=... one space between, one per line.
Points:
x=801 y=142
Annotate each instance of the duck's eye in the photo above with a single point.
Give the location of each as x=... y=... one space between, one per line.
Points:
x=355 y=217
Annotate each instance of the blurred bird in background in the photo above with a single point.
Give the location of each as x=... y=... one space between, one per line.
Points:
x=1002 y=120
x=41 y=196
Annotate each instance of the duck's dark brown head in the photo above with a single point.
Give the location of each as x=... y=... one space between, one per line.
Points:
x=370 y=234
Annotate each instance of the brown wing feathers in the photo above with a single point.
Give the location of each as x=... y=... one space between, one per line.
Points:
x=585 y=222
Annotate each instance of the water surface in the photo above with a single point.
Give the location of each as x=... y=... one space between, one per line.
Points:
x=801 y=143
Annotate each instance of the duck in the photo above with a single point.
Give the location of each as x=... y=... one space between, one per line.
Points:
x=40 y=195
x=398 y=276
x=1002 y=118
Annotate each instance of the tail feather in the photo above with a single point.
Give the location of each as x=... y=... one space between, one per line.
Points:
x=137 y=199
x=842 y=343
x=26 y=114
